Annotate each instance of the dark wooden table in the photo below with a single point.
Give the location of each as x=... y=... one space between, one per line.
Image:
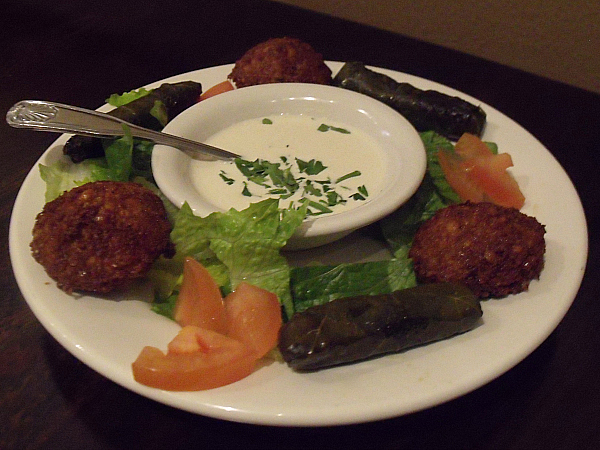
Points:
x=79 y=52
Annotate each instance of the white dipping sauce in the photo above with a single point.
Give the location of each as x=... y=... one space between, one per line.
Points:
x=291 y=137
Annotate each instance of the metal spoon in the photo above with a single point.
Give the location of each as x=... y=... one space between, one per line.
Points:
x=49 y=116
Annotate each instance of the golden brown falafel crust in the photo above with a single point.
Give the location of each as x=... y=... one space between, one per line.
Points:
x=280 y=60
x=495 y=251
x=100 y=236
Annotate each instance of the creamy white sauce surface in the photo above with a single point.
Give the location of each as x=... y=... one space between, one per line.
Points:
x=342 y=150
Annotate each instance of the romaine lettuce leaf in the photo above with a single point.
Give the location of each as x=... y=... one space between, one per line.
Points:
x=127 y=97
x=62 y=175
x=125 y=158
x=238 y=246
x=159 y=112
x=141 y=159
x=118 y=154
x=433 y=143
x=316 y=285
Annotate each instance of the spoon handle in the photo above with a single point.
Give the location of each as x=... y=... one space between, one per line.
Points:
x=49 y=116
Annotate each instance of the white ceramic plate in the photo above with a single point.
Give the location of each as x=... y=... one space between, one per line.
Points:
x=108 y=334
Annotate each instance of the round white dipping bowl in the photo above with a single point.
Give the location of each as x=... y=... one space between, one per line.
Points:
x=404 y=158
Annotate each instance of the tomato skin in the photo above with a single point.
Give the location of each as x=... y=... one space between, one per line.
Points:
x=199 y=301
x=219 y=88
x=477 y=175
x=222 y=360
x=254 y=317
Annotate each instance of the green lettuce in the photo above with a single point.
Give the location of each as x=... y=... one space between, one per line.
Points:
x=315 y=285
x=62 y=175
x=234 y=246
x=434 y=143
x=125 y=159
x=116 y=166
x=158 y=111
x=127 y=97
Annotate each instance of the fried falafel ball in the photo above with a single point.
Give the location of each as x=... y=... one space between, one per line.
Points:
x=100 y=236
x=280 y=60
x=494 y=250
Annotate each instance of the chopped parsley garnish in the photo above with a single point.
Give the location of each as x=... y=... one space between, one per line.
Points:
x=311 y=167
x=286 y=178
x=333 y=198
x=226 y=179
x=319 y=207
x=324 y=127
x=362 y=193
x=246 y=192
x=311 y=189
x=278 y=180
x=356 y=173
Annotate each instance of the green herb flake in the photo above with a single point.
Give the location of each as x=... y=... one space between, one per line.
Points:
x=311 y=189
x=259 y=179
x=266 y=121
x=278 y=191
x=226 y=179
x=281 y=178
x=324 y=127
x=255 y=171
x=356 y=173
x=246 y=192
x=333 y=198
x=320 y=208
x=362 y=193
x=312 y=167
x=247 y=168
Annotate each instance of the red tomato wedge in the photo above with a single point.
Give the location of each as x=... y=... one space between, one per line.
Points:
x=470 y=146
x=221 y=360
x=220 y=340
x=199 y=301
x=477 y=175
x=188 y=341
x=490 y=174
x=253 y=317
x=217 y=89
x=458 y=178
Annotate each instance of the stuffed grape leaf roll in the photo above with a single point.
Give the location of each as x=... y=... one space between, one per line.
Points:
x=356 y=328
x=171 y=98
x=428 y=110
